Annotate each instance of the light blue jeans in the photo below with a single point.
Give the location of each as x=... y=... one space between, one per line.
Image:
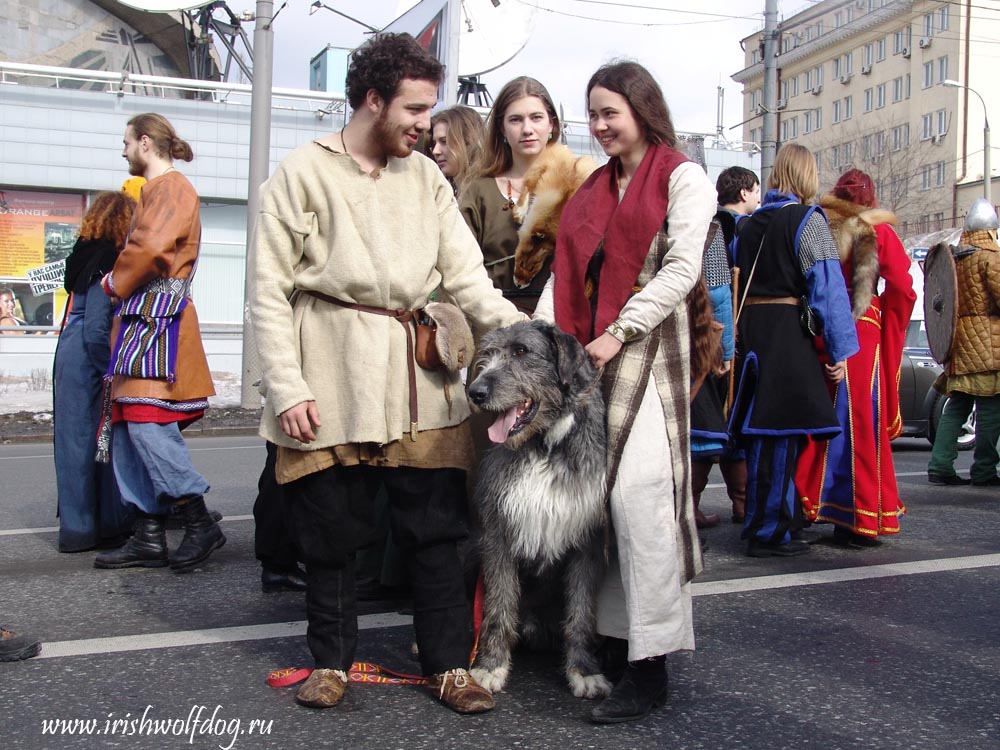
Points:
x=153 y=466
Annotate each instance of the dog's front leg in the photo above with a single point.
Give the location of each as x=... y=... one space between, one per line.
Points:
x=584 y=572
x=501 y=604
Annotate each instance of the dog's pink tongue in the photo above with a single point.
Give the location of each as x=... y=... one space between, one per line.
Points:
x=501 y=427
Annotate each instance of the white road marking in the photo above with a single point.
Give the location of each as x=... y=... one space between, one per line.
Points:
x=50 y=529
x=119 y=644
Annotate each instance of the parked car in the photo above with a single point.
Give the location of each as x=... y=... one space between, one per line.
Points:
x=919 y=404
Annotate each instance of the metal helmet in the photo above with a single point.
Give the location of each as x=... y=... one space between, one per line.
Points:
x=981 y=216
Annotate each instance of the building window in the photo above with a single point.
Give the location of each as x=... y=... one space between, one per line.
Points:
x=793 y=128
x=880 y=50
x=900 y=137
x=939 y=174
x=838 y=20
x=942 y=121
x=897 y=42
x=836 y=112
x=869 y=99
x=926 y=127
x=869 y=55
x=942 y=69
x=907 y=86
x=929 y=24
x=754 y=100
x=925 y=177
x=848 y=107
x=897 y=89
x=943 y=18
x=928 y=75
x=849 y=63
x=807 y=122
x=836 y=68
x=880 y=96
x=938 y=222
x=818 y=156
x=795 y=85
x=819 y=118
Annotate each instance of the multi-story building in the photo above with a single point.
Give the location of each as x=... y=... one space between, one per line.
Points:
x=860 y=83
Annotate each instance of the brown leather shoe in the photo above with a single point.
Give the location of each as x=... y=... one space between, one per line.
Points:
x=323 y=689
x=460 y=692
x=703 y=521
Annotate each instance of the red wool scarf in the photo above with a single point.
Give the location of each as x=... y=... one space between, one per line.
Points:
x=627 y=230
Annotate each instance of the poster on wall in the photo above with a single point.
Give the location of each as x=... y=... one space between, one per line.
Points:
x=37 y=232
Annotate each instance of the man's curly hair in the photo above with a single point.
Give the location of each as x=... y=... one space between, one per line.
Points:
x=383 y=61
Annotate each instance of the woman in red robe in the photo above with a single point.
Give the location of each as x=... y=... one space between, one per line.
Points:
x=850 y=481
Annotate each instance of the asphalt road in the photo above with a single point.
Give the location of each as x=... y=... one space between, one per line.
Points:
x=896 y=647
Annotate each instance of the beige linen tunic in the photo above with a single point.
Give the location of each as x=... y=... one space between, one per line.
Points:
x=387 y=241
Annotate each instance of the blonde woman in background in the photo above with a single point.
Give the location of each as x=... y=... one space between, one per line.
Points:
x=456 y=138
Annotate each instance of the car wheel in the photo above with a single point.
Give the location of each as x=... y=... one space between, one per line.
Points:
x=966 y=438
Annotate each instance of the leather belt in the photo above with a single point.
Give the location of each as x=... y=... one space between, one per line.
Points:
x=771 y=301
x=404 y=317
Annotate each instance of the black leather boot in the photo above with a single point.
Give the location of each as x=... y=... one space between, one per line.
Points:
x=640 y=690
x=147 y=548
x=202 y=536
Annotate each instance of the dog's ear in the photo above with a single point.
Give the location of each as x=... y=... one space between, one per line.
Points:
x=570 y=356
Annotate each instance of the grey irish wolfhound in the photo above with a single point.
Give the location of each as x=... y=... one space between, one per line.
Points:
x=539 y=498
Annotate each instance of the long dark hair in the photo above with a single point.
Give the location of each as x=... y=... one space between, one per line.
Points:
x=496 y=158
x=643 y=94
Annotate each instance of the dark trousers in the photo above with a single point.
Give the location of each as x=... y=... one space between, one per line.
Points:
x=771 y=501
x=272 y=535
x=333 y=516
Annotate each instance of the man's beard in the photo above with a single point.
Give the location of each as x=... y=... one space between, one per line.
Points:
x=388 y=139
x=136 y=168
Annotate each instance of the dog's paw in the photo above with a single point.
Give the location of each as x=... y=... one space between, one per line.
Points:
x=491 y=679
x=588 y=686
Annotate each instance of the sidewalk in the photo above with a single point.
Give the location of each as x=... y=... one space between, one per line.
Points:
x=26 y=411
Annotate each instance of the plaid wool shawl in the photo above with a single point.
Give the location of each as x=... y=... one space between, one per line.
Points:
x=665 y=354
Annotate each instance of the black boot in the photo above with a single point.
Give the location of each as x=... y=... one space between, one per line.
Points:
x=147 y=548
x=202 y=536
x=643 y=687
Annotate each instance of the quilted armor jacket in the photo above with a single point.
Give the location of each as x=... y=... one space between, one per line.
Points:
x=977 y=333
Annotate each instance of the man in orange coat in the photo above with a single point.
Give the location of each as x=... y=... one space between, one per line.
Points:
x=160 y=380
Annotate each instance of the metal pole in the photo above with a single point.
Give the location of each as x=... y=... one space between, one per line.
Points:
x=451 y=69
x=769 y=142
x=987 y=175
x=260 y=158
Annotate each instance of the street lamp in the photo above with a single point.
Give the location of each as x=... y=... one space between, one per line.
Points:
x=987 y=178
x=317 y=5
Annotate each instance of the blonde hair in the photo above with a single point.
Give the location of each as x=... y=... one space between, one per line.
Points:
x=465 y=139
x=795 y=172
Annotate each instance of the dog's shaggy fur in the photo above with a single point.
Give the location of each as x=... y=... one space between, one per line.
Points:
x=552 y=180
x=539 y=499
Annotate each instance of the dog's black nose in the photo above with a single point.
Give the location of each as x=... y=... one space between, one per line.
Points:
x=478 y=392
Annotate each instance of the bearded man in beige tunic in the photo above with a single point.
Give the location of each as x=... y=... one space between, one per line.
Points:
x=354 y=233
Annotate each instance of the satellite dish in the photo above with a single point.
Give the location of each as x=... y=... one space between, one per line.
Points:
x=492 y=31
x=164 y=6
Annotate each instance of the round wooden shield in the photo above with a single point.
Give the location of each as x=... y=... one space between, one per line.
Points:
x=940 y=300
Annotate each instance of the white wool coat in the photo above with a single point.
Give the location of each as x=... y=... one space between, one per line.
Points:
x=387 y=241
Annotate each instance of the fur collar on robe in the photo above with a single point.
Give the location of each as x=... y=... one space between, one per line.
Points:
x=853 y=230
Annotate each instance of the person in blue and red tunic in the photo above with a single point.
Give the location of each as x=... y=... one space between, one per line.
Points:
x=849 y=481
x=788 y=268
x=159 y=376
